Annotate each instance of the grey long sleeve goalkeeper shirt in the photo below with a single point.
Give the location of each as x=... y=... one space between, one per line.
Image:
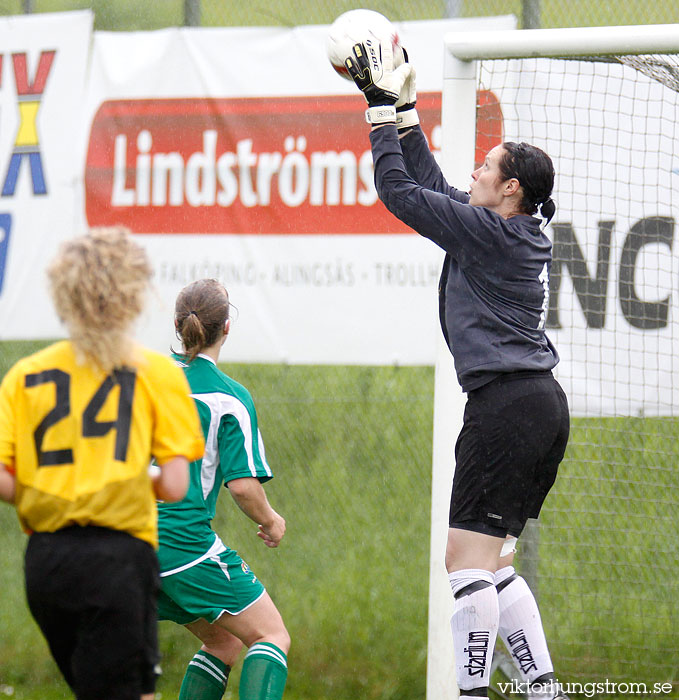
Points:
x=494 y=287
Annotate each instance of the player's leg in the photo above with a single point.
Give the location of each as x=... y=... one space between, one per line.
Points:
x=223 y=591
x=496 y=454
x=208 y=671
x=471 y=558
x=117 y=654
x=105 y=583
x=45 y=591
x=520 y=624
x=265 y=668
x=521 y=627
x=480 y=514
x=184 y=598
x=472 y=552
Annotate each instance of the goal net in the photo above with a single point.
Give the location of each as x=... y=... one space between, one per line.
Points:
x=603 y=560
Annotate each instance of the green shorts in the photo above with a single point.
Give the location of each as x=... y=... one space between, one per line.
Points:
x=222 y=583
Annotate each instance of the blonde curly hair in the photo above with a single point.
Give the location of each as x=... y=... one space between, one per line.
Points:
x=98 y=283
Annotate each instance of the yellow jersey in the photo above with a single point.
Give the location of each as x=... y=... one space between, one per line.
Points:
x=79 y=441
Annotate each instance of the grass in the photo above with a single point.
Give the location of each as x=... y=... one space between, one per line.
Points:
x=344 y=477
x=351 y=450
x=612 y=558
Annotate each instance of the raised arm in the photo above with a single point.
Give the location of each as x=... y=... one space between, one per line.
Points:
x=442 y=216
x=422 y=166
x=467 y=232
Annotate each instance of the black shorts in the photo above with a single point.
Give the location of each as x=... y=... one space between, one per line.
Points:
x=93 y=593
x=513 y=438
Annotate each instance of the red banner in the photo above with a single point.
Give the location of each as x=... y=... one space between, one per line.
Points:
x=299 y=165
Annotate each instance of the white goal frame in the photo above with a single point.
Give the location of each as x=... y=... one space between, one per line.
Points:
x=458 y=122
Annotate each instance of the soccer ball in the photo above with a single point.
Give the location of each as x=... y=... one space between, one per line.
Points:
x=355 y=27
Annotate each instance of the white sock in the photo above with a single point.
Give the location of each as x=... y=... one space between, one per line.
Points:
x=521 y=627
x=474 y=626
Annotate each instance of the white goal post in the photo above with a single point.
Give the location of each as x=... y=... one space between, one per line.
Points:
x=463 y=55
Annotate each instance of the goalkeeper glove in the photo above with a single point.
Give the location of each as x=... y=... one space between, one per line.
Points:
x=372 y=69
x=406 y=114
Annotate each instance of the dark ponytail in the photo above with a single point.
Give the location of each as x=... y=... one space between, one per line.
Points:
x=534 y=170
x=548 y=209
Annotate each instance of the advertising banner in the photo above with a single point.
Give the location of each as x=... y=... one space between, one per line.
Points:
x=613 y=306
x=43 y=63
x=240 y=154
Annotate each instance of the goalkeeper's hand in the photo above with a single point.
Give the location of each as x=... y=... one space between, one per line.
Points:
x=406 y=114
x=372 y=69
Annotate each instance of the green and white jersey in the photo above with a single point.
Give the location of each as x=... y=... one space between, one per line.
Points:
x=233 y=449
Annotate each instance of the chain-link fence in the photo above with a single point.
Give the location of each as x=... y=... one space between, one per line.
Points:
x=126 y=15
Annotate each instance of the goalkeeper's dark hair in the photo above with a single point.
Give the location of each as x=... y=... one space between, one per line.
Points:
x=98 y=283
x=534 y=170
x=200 y=312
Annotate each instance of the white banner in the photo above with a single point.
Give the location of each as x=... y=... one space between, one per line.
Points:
x=43 y=62
x=614 y=297
x=240 y=154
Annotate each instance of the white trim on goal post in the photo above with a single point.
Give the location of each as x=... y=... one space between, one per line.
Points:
x=573 y=41
x=458 y=121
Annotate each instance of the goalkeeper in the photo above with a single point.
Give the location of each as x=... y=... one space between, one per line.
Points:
x=493 y=298
x=206 y=586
